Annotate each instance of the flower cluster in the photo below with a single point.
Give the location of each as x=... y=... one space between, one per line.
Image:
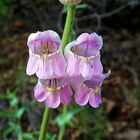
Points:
x=79 y=70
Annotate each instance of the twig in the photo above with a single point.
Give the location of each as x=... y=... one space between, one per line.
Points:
x=111 y=13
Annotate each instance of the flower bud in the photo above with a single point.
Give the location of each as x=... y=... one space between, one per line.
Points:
x=70 y=2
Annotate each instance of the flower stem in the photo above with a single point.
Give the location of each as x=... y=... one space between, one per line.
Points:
x=44 y=124
x=62 y=129
x=65 y=39
x=68 y=26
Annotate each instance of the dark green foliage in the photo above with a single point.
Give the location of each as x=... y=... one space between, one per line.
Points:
x=93 y=123
x=4 y=6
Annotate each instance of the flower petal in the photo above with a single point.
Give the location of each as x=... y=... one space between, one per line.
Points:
x=73 y=66
x=95 y=99
x=45 y=70
x=50 y=35
x=32 y=65
x=95 y=43
x=52 y=100
x=39 y=39
x=97 y=66
x=39 y=93
x=65 y=94
x=86 y=70
x=83 y=38
x=76 y=82
x=90 y=44
x=59 y=64
x=81 y=96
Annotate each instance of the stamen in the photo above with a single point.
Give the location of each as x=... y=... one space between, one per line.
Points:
x=47 y=49
x=96 y=90
x=52 y=88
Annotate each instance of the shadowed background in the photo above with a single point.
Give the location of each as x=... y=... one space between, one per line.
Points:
x=117 y=21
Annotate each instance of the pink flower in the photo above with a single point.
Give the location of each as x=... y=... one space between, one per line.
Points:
x=83 y=68
x=45 y=55
x=53 y=92
x=89 y=90
x=83 y=56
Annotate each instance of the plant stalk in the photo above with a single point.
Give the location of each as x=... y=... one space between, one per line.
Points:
x=62 y=129
x=65 y=39
x=44 y=124
x=68 y=26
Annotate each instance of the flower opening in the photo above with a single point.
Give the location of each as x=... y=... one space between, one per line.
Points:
x=90 y=91
x=83 y=56
x=53 y=92
x=45 y=55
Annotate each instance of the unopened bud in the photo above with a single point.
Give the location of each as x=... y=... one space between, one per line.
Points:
x=70 y=2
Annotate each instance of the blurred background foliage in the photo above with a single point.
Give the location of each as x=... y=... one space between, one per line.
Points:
x=118 y=22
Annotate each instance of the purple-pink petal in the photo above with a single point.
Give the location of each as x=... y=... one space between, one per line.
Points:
x=86 y=70
x=96 y=80
x=39 y=39
x=97 y=66
x=59 y=64
x=96 y=42
x=82 y=96
x=65 y=94
x=95 y=99
x=76 y=82
x=45 y=70
x=32 y=65
x=73 y=66
x=83 y=38
x=52 y=100
x=39 y=93
x=83 y=56
x=90 y=44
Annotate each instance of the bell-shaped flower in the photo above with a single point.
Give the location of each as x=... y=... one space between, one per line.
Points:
x=45 y=55
x=89 y=90
x=53 y=92
x=83 y=56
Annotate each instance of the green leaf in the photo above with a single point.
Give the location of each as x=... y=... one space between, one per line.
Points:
x=17 y=129
x=7 y=131
x=61 y=121
x=4 y=5
x=11 y=96
x=16 y=114
x=14 y=102
x=81 y=6
x=21 y=110
x=53 y=137
x=28 y=136
x=50 y=136
x=65 y=9
x=8 y=114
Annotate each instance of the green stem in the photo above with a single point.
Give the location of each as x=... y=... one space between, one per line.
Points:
x=62 y=129
x=20 y=134
x=65 y=39
x=68 y=26
x=44 y=124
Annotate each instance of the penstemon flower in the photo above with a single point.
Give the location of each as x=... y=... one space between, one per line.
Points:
x=80 y=67
x=53 y=92
x=89 y=90
x=45 y=55
x=83 y=68
x=83 y=56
